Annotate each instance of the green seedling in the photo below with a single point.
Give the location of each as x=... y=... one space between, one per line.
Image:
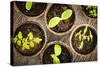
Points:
x=82 y=36
x=57 y=52
x=56 y=20
x=28 y=6
x=26 y=43
x=92 y=10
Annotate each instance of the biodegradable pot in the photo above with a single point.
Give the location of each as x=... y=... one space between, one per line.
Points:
x=55 y=10
x=65 y=56
x=88 y=46
x=38 y=31
x=87 y=11
x=36 y=9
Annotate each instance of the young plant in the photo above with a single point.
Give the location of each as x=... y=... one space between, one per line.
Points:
x=28 y=6
x=57 y=52
x=92 y=10
x=82 y=36
x=56 y=20
x=27 y=43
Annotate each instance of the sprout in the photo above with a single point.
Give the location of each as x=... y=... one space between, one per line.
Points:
x=28 y=6
x=56 y=20
x=26 y=43
x=57 y=52
x=92 y=10
x=83 y=36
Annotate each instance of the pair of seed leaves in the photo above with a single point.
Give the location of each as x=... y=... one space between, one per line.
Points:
x=57 y=52
x=27 y=42
x=56 y=20
x=82 y=36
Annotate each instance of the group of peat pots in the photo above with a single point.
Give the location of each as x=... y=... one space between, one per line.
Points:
x=53 y=33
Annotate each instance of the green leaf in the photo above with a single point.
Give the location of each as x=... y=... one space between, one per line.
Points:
x=30 y=35
x=31 y=44
x=28 y=5
x=57 y=49
x=37 y=40
x=20 y=36
x=81 y=45
x=55 y=59
x=19 y=42
x=25 y=46
x=66 y=14
x=53 y=22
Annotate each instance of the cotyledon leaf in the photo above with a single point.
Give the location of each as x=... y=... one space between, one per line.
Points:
x=57 y=49
x=53 y=22
x=66 y=14
x=28 y=5
x=55 y=59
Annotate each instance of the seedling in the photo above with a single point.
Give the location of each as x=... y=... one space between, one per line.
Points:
x=92 y=10
x=82 y=37
x=28 y=6
x=26 y=43
x=56 y=20
x=57 y=52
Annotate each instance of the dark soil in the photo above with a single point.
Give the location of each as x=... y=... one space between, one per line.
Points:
x=87 y=11
x=56 y=11
x=65 y=56
x=37 y=31
x=88 y=46
x=37 y=8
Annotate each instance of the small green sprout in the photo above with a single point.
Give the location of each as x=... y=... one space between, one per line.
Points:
x=26 y=43
x=28 y=6
x=92 y=10
x=82 y=36
x=56 y=20
x=57 y=52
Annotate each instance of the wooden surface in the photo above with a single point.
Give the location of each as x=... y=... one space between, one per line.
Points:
x=80 y=18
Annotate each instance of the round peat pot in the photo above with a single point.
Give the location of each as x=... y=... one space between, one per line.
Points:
x=83 y=39
x=64 y=57
x=35 y=8
x=63 y=26
x=30 y=32
x=90 y=11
